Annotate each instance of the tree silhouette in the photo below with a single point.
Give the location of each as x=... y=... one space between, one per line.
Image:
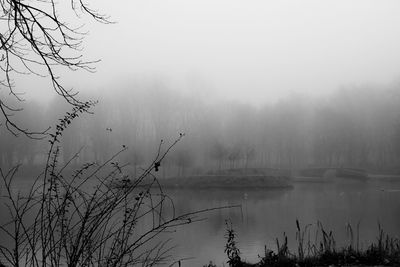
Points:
x=36 y=40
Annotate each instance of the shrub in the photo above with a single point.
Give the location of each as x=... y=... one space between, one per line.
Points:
x=81 y=218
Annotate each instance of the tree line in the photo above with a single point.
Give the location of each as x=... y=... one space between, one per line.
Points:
x=354 y=127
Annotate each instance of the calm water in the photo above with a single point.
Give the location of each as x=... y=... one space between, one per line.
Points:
x=266 y=214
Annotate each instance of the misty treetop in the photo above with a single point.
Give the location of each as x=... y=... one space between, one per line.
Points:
x=357 y=128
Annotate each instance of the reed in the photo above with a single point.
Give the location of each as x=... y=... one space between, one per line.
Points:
x=322 y=251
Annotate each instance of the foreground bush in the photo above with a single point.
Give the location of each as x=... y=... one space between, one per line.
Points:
x=80 y=219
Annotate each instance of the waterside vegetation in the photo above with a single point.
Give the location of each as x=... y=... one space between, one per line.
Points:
x=320 y=250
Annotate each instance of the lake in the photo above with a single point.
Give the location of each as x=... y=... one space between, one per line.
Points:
x=265 y=215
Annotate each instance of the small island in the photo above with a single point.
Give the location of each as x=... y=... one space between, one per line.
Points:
x=230 y=179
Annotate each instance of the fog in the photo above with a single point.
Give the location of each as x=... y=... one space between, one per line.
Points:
x=287 y=109
x=253 y=52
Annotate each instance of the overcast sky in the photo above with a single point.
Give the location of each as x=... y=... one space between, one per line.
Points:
x=247 y=50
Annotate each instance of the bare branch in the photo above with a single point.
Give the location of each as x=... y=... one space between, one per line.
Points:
x=35 y=40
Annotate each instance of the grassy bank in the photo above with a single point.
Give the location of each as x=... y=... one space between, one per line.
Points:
x=226 y=181
x=221 y=181
x=385 y=251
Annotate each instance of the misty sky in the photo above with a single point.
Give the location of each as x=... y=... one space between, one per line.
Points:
x=251 y=51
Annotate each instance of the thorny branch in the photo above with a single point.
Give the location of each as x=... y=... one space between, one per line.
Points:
x=97 y=215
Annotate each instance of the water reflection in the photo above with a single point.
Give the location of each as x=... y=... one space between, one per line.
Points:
x=265 y=215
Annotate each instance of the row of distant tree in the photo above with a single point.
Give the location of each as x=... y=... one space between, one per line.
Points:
x=357 y=127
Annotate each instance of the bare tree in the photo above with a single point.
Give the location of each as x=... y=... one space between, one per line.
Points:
x=36 y=40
